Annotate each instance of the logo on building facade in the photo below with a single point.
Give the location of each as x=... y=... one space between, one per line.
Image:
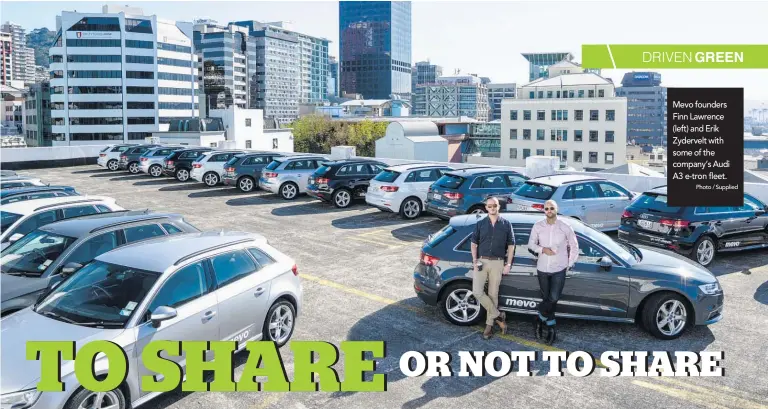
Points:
x=79 y=34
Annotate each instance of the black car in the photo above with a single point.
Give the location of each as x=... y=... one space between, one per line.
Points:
x=697 y=232
x=342 y=181
x=179 y=163
x=35 y=192
x=244 y=170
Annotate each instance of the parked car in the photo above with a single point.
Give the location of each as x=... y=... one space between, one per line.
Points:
x=603 y=285
x=15 y=182
x=288 y=176
x=208 y=168
x=343 y=181
x=244 y=170
x=35 y=192
x=109 y=157
x=464 y=191
x=52 y=252
x=7 y=173
x=18 y=219
x=697 y=232
x=179 y=163
x=403 y=188
x=152 y=161
x=130 y=159
x=231 y=286
x=596 y=201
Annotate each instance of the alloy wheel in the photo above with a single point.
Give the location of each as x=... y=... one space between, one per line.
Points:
x=705 y=252
x=182 y=175
x=411 y=209
x=289 y=191
x=155 y=171
x=671 y=317
x=133 y=167
x=281 y=324
x=101 y=400
x=462 y=305
x=478 y=211
x=343 y=198
x=112 y=165
x=246 y=184
x=211 y=179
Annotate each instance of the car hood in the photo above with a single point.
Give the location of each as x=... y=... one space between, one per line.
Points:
x=26 y=325
x=15 y=286
x=659 y=260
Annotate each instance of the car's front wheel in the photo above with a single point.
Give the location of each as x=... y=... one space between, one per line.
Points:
x=459 y=305
x=704 y=251
x=281 y=319
x=666 y=315
x=156 y=171
x=85 y=399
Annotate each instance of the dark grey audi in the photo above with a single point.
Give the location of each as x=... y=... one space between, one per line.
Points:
x=618 y=282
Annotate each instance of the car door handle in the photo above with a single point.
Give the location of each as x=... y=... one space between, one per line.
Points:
x=259 y=291
x=209 y=315
x=583 y=207
x=612 y=205
x=718 y=223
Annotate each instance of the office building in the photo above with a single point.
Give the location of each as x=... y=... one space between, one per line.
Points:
x=6 y=58
x=333 y=77
x=425 y=73
x=222 y=75
x=576 y=117
x=646 y=107
x=375 y=49
x=119 y=76
x=37 y=114
x=23 y=61
x=538 y=63
x=450 y=96
x=497 y=93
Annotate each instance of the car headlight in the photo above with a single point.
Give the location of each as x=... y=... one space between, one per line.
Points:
x=19 y=400
x=710 y=289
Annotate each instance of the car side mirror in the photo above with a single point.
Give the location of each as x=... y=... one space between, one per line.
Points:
x=606 y=263
x=70 y=268
x=759 y=212
x=160 y=314
x=14 y=238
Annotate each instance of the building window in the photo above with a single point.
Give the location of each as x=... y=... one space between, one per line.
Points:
x=593 y=136
x=526 y=153
x=577 y=156
x=593 y=157
x=557 y=94
x=600 y=93
x=513 y=134
x=513 y=153
x=274 y=143
x=577 y=135
x=539 y=152
x=539 y=134
x=609 y=158
x=248 y=122
x=526 y=115
x=248 y=143
x=541 y=115
x=610 y=115
x=513 y=115
x=594 y=115
x=559 y=135
x=581 y=93
x=562 y=154
x=591 y=93
x=579 y=115
x=541 y=94
x=526 y=134
x=570 y=94
x=609 y=136
x=549 y=94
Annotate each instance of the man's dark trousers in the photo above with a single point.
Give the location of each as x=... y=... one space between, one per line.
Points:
x=551 y=285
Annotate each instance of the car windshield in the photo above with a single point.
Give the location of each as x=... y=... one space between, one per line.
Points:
x=7 y=219
x=387 y=176
x=611 y=245
x=655 y=202
x=450 y=181
x=32 y=254
x=273 y=165
x=99 y=294
x=535 y=191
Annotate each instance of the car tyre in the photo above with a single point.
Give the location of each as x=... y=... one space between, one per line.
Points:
x=477 y=209
x=280 y=322
x=182 y=175
x=704 y=251
x=113 y=165
x=86 y=399
x=411 y=208
x=133 y=167
x=246 y=184
x=289 y=190
x=342 y=198
x=156 y=171
x=460 y=295
x=211 y=179
x=661 y=306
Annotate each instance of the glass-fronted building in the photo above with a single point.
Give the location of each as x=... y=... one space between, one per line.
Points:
x=646 y=107
x=375 y=49
x=37 y=114
x=496 y=94
x=538 y=63
x=425 y=73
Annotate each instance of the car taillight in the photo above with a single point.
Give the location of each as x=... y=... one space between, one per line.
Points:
x=197 y=165
x=169 y=162
x=677 y=224
x=453 y=195
x=538 y=206
x=428 y=259
x=101 y=155
x=123 y=157
x=626 y=214
x=229 y=170
x=270 y=174
x=323 y=181
x=143 y=159
x=295 y=270
x=390 y=188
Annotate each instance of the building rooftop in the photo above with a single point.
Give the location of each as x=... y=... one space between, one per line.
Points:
x=586 y=78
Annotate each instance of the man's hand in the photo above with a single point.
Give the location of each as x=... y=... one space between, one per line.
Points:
x=506 y=269
x=548 y=251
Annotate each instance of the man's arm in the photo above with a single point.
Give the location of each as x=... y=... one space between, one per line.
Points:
x=475 y=239
x=533 y=240
x=474 y=254
x=510 y=245
x=573 y=243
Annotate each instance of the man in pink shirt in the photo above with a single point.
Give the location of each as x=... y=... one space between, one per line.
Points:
x=555 y=243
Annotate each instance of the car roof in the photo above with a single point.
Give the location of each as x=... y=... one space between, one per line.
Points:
x=658 y=189
x=412 y=166
x=351 y=161
x=260 y=153
x=19 y=178
x=478 y=170
x=160 y=253
x=79 y=226
x=303 y=156
x=559 y=180
x=31 y=206
x=32 y=189
x=524 y=217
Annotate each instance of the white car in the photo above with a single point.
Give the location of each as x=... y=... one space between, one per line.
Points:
x=109 y=157
x=13 y=182
x=208 y=168
x=19 y=218
x=403 y=188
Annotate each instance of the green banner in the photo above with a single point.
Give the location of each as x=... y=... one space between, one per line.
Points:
x=639 y=56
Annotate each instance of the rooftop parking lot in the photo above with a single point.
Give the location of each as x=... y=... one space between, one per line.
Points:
x=357 y=265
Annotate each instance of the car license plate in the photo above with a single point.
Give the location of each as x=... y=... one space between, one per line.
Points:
x=522 y=207
x=436 y=196
x=646 y=224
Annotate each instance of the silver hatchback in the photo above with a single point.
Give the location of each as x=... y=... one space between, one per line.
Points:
x=287 y=176
x=189 y=287
x=595 y=201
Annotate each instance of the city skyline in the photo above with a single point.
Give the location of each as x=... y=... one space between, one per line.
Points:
x=500 y=60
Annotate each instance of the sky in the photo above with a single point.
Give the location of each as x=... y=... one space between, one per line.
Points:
x=487 y=38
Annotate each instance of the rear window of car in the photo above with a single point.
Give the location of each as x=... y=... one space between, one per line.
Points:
x=199 y=158
x=387 y=176
x=7 y=219
x=655 y=201
x=273 y=165
x=233 y=160
x=535 y=191
x=450 y=181
x=322 y=170
x=441 y=235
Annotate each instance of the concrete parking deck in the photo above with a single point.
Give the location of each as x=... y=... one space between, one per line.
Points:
x=357 y=266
